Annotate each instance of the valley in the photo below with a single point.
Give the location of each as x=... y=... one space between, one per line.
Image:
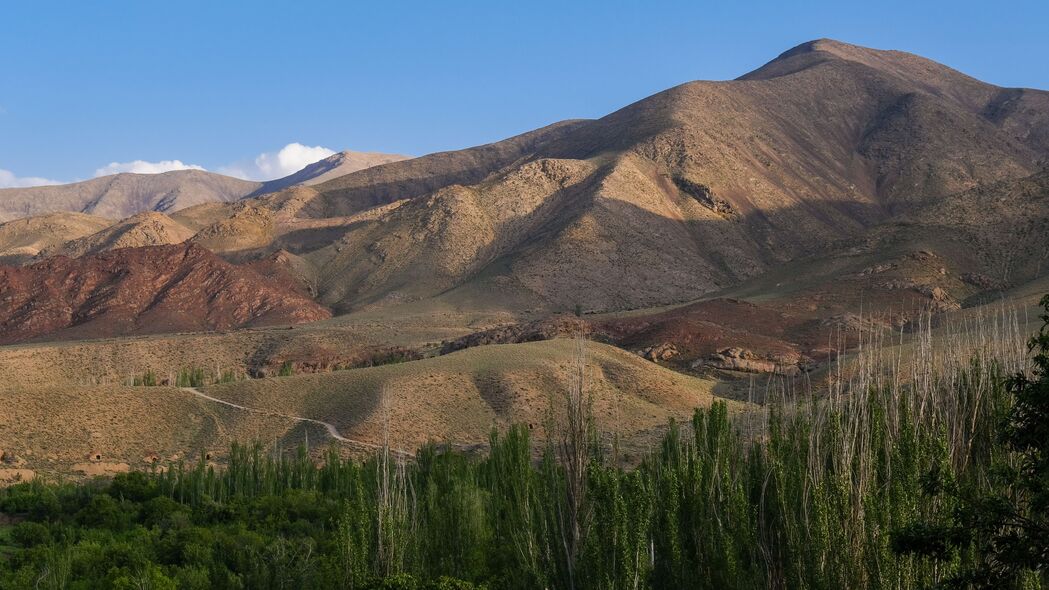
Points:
x=714 y=241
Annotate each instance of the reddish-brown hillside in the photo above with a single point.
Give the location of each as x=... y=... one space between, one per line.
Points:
x=142 y=290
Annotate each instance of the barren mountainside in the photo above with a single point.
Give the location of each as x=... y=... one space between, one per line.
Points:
x=144 y=229
x=719 y=239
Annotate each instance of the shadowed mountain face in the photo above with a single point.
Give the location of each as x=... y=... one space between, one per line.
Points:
x=830 y=153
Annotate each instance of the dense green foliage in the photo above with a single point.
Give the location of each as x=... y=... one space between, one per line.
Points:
x=193 y=377
x=1004 y=520
x=830 y=493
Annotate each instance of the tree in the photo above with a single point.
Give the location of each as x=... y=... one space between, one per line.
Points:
x=1005 y=522
x=575 y=445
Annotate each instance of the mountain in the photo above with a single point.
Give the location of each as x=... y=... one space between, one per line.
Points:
x=122 y=195
x=695 y=189
x=142 y=290
x=757 y=226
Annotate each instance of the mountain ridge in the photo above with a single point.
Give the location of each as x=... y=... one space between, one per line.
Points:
x=124 y=194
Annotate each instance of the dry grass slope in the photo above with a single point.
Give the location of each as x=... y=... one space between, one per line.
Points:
x=460 y=397
x=456 y=398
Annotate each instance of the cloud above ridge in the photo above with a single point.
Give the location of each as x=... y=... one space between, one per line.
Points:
x=270 y=165
x=266 y=166
x=144 y=167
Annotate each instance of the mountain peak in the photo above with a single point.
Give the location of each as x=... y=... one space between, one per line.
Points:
x=817 y=51
x=825 y=45
x=912 y=70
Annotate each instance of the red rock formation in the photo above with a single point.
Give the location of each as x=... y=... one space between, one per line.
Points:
x=143 y=290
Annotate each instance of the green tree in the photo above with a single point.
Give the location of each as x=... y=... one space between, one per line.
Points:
x=1006 y=522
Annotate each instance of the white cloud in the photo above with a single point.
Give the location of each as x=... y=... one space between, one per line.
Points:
x=266 y=166
x=9 y=180
x=144 y=167
x=269 y=165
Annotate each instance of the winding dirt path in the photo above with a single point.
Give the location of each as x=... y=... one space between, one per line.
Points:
x=332 y=431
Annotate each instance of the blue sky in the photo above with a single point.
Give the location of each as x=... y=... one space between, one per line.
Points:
x=216 y=84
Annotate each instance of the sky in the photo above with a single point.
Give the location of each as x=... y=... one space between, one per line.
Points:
x=259 y=89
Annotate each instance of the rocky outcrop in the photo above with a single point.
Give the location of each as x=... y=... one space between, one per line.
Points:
x=548 y=329
x=941 y=300
x=850 y=322
x=741 y=359
x=660 y=352
x=705 y=196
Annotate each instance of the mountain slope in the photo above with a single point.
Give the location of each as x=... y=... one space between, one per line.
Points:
x=460 y=396
x=411 y=178
x=144 y=229
x=23 y=239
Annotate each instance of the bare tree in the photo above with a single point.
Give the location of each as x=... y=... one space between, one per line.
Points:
x=574 y=440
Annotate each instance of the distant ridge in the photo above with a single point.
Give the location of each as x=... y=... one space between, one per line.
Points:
x=122 y=195
x=334 y=166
